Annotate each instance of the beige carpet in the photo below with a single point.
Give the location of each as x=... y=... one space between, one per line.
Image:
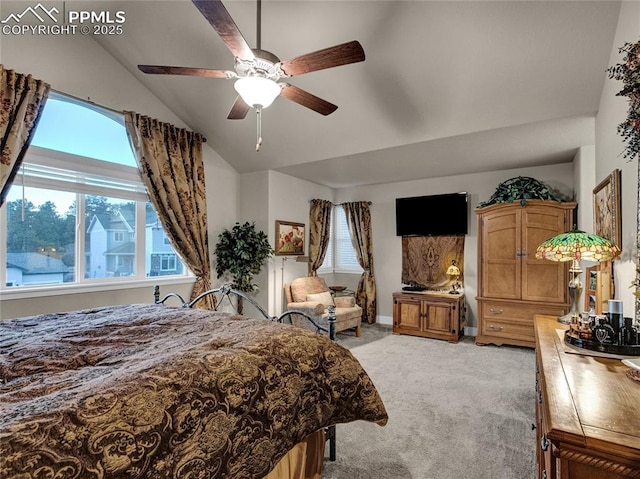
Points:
x=456 y=411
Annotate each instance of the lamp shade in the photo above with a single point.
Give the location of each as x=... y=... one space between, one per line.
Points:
x=257 y=91
x=577 y=245
x=453 y=270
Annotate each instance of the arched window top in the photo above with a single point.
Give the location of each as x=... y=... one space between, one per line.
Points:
x=82 y=128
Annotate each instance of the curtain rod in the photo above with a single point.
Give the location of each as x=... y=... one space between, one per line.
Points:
x=89 y=100
x=340 y=204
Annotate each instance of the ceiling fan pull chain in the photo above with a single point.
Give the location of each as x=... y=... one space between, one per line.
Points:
x=259 y=132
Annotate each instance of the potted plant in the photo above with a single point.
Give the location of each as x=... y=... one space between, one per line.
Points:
x=242 y=252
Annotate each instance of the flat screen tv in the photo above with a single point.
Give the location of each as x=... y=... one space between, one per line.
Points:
x=433 y=215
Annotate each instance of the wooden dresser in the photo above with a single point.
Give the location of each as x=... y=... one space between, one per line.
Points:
x=429 y=314
x=587 y=412
x=513 y=285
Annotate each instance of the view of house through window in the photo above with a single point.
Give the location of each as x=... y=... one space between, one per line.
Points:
x=77 y=211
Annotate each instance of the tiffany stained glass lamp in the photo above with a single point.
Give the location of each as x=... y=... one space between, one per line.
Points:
x=576 y=246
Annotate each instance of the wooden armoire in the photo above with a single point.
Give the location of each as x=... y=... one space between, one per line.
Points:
x=513 y=285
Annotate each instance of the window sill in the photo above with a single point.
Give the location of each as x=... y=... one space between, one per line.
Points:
x=339 y=271
x=25 y=292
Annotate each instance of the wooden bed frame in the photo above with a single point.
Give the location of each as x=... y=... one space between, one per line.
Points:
x=226 y=292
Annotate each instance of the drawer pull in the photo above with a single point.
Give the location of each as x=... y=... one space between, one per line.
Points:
x=496 y=328
x=496 y=311
x=544 y=443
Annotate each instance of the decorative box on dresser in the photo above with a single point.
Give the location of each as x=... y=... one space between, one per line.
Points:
x=429 y=314
x=587 y=412
x=513 y=285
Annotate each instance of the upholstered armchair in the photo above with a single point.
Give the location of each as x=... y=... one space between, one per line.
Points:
x=312 y=296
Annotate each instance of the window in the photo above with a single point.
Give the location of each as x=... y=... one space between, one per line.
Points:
x=168 y=262
x=77 y=211
x=341 y=256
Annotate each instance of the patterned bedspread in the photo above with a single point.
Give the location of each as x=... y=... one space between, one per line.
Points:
x=161 y=392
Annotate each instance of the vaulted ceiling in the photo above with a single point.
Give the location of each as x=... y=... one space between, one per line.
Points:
x=447 y=87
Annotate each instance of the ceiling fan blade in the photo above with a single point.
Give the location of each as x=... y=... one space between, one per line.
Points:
x=189 y=71
x=305 y=98
x=350 y=52
x=239 y=109
x=219 y=18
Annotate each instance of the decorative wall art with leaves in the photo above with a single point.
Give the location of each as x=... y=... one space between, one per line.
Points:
x=522 y=188
x=629 y=73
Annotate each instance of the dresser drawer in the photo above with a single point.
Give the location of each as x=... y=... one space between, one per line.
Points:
x=499 y=310
x=511 y=322
x=508 y=328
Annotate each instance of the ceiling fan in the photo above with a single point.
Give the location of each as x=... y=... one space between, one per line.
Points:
x=257 y=72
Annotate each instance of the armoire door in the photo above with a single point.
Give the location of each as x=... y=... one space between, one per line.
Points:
x=542 y=280
x=501 y=265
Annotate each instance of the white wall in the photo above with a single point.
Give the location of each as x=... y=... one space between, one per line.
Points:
x=289 y=199
x=268 y=196
x=608 y=156
x=77 y=65
x=254 y=208
x=387 y=246
x=584 y=173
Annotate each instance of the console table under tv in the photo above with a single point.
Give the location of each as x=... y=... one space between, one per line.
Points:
x=430 y=314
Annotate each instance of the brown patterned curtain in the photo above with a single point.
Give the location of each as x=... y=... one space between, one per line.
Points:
x=425 y=260
x=319 y=228
x=22 y=98
x=170 y=163
x=359 y=221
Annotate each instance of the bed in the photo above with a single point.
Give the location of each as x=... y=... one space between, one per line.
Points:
x=159 y=391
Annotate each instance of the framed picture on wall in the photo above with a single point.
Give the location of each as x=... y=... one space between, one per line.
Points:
x=289 y=238
x=607 y=208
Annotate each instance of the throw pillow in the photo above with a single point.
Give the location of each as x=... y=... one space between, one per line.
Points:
x=324 y=298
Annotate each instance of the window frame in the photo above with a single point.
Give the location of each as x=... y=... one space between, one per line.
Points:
x=56 y=170
x=331 y=264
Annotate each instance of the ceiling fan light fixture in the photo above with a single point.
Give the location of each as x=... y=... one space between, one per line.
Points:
x=257 y=91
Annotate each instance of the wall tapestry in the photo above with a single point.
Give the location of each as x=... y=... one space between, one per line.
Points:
x=425 y=260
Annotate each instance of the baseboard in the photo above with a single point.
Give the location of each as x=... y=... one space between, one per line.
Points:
x=388 y=321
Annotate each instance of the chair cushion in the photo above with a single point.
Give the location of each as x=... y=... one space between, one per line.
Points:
x=301 y=287
x=346 y=318
x=344 y=301
x=345 y=314
x=324 y=298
